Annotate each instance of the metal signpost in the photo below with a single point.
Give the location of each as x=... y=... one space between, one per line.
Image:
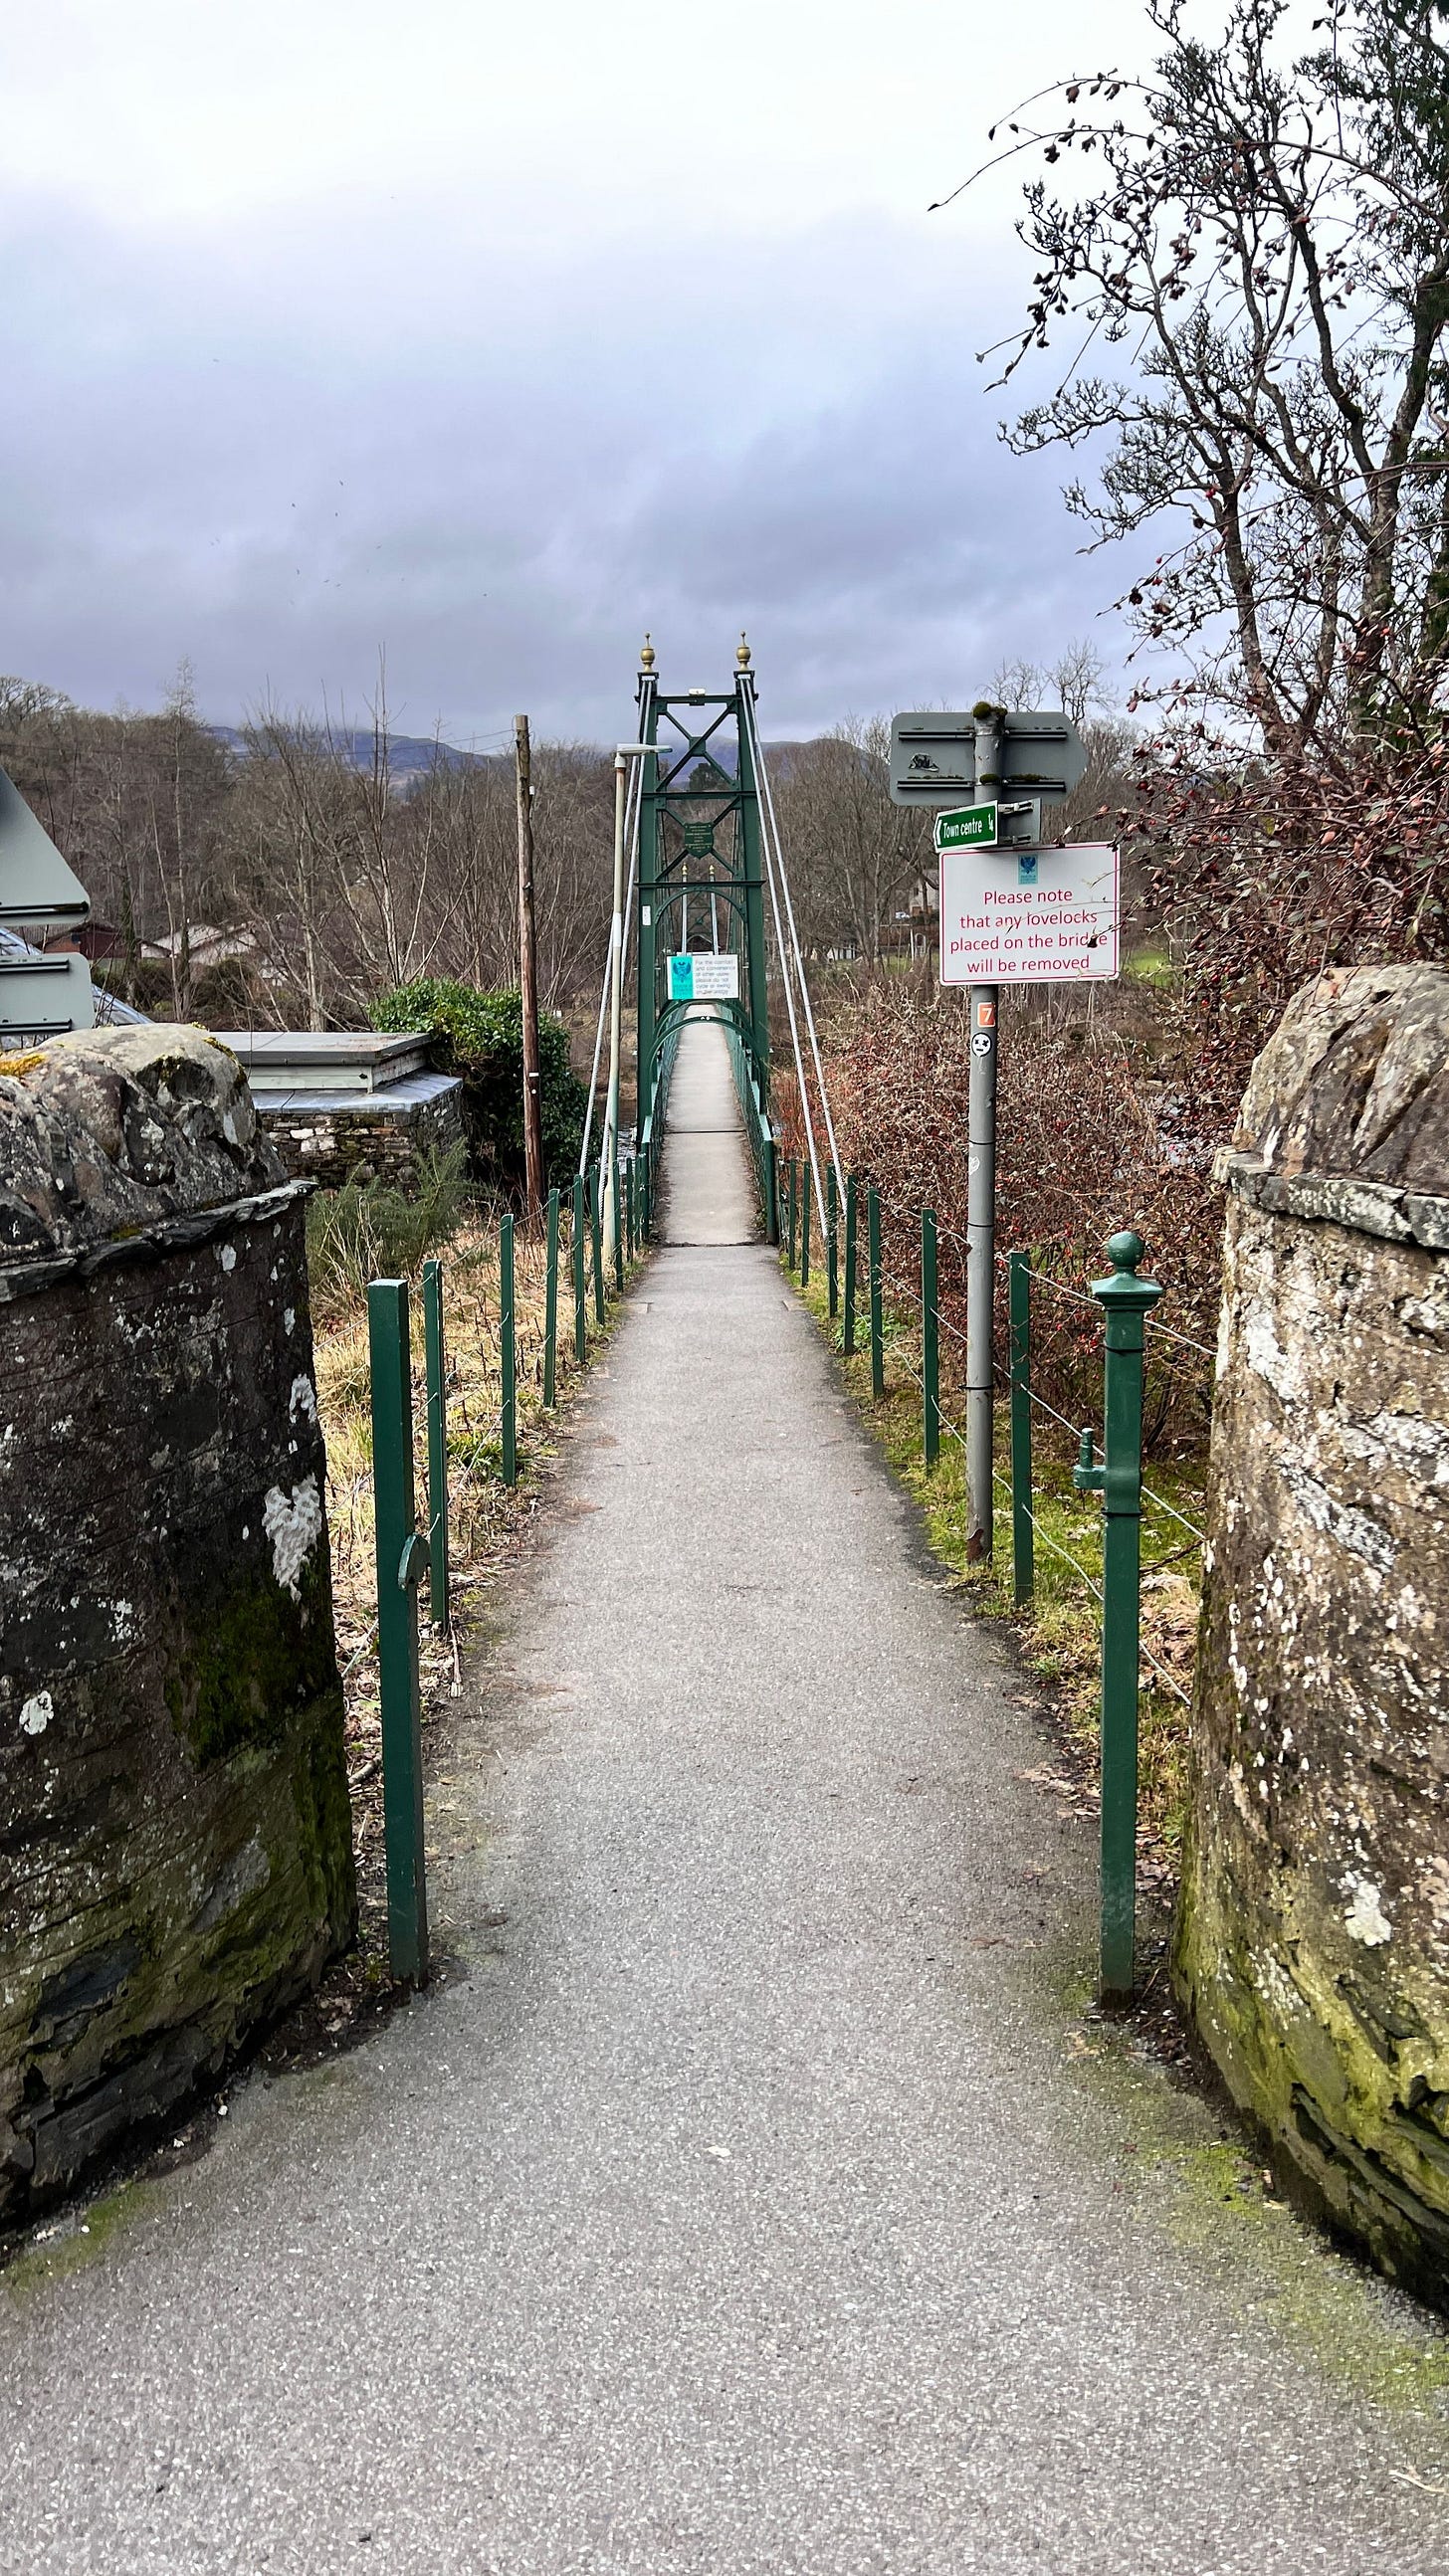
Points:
x=987 y=774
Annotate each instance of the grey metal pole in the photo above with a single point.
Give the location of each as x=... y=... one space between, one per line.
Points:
x=981 y=1208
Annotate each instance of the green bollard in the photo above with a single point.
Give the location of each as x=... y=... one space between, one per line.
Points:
x=579 y=1247
x=401 y=1561
x=930 y=1340
x=832 y=1246
x=805 y=1233
x=847 y=1338
x=550 y=1306
x=596 y=1215
x=1125 y=1299
x=434 y=1373
x=1023 y=1533
x=508 y=1349
x=877 y=1321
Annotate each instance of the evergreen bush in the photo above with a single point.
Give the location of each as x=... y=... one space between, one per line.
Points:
x=480 y=1037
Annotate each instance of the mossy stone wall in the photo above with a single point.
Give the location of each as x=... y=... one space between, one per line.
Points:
x=175 y=1832
x=1312 y=1944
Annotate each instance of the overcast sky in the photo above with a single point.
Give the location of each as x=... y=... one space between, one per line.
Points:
x=490 y=336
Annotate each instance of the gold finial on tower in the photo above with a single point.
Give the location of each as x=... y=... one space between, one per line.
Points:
x=646 y=655
x=742 y=651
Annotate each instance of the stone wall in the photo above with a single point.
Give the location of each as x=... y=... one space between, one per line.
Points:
x=335 y=1138
x=175 y=1833
x=1312 y=1944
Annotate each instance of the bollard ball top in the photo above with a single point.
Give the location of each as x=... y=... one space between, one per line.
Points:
x=1124 y=1251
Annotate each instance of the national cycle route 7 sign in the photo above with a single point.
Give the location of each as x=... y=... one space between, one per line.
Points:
x=1029 y=916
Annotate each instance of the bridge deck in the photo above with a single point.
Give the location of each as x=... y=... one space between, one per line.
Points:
x=743 y=2211
x=709 y=1194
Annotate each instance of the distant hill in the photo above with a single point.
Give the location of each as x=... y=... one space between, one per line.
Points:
x=417 y=755
x=412 y=755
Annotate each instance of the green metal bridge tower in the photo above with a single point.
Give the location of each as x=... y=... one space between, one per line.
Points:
x=700 y=838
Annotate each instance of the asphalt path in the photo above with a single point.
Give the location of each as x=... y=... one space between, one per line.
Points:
x=745 y=2207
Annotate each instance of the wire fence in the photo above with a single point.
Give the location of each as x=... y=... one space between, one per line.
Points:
x=1099 y=1462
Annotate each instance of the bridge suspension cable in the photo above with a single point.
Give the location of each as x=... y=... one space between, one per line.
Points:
x=631 y=829
x=792 y=963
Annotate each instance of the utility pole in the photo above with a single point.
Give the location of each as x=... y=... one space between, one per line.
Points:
x=981 y=1204
x=528 y=978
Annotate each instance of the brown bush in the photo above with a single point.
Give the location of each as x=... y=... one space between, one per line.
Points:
x=1084 y=1148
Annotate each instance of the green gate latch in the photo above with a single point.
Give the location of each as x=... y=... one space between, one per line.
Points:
x=414 y=1563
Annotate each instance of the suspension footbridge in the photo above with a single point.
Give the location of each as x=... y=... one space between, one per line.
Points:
x=755 y=2201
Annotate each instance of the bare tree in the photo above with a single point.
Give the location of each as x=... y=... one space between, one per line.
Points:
x=1267 y=240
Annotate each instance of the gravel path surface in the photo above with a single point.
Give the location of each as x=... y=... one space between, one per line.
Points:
x=744 y=2208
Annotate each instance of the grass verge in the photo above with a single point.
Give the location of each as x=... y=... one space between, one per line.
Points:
x=1058 y=1633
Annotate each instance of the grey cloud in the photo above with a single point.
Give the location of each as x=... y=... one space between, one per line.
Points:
x=502 y=464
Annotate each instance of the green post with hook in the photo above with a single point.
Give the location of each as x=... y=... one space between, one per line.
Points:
x=877 y=1319
x=930 y=1339
x=507 y=1336
x=434 y=1371
x=832 y=1244
x=847 y=1337
x=1023 y=1528
x=1125 y=1300
x=402 y=1561
x=579 y=1249
x=550 y=1306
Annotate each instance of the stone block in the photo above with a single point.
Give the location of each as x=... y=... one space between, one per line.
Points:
x=175 y=1829
x=1312 y=1942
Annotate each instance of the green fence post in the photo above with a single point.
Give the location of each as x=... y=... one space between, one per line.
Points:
x=792 y=1209
x=832 y=1246
x=930 y=1339
x=616 y=1202
x=401 y=1560
x=877 y=1321
x=596 y=1212
x=550 y=1306
x=646 y=1184
x=581 y=1273
x=805 y=1233
x=770 y=1188
x=1125 y=1300
x=1023 y=1531
x=847 y=1338
x=434 y=1375
x=508 y=1349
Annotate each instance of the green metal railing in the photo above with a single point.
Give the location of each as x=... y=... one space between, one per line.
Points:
x=759 y=1134
x=1111 y=1467
x=402 y=1561
x=408 y=1554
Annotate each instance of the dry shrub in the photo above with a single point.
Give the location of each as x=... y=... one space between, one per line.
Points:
x=1084 y=1149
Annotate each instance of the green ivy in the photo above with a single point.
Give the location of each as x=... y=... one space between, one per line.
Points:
x=480 y=1036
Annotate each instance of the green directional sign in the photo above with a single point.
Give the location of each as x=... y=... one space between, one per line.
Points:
x=967 y=827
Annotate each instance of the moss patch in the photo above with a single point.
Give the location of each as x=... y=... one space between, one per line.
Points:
x=253 y=1658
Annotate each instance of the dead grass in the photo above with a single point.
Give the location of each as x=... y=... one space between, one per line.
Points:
x=1058 y=1635
x=488 y=1521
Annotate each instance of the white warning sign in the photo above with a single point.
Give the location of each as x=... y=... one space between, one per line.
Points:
x=1029 y=916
